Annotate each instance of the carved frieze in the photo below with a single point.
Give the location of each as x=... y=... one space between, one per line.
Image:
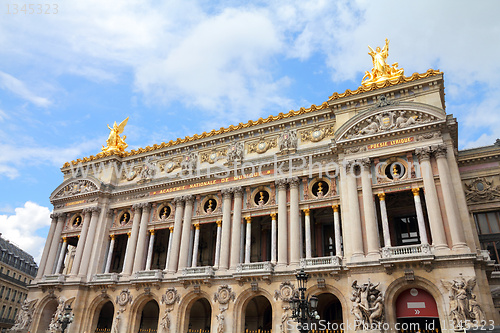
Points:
x=480 y=189
x=76 y=188
x=262 y=145
x=317 y=133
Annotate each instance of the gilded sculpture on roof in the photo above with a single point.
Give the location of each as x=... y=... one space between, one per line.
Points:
x=381 y=71
x=114 y=141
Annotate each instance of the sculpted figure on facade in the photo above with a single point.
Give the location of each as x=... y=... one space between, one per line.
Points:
x=149 y=169
x=381 y=71
x=221 y=321
x=116 y=324
x=24 y=317
x=463 y=304
x=367 y=305
x=166 y=321
x=75 y=188
x=288 y=141
x=114 y=141
x=189 y=162
x=284 y=320
x=235 y=151
x=54 y=325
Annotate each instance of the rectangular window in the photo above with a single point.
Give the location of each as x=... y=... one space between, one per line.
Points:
x=488 y=228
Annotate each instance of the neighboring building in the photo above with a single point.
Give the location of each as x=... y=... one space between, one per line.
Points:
x=17 y=269
x=398 y=235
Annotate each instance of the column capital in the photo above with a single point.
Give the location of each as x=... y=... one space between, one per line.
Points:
x=415 y=191
x=112 y=236
x=56 y=216
x=281 y=183
x=87 y=210
x=335 y=208
x=226 y=193
x=219 y=223
x=110 y=212
x=136 y=206
x=273 y=216
x=238 y=191
x=423 y=153
x=178 y=201
x=294 y=182
x=381 y=196
x=171 y=229
x=196 y=226
x=188 y=199
x=152 y=232
x=306 y=211
x=128 y=234
x=439 y=150
x=64 y=239
x=366 y=163
x=248 y=219
x=95 y=209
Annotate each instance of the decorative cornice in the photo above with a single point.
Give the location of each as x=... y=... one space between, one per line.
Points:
x=388 y=83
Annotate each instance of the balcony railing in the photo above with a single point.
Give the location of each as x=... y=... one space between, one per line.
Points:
x=407 y=250
x=321 y=263
x=253 y=268
x=198 y=272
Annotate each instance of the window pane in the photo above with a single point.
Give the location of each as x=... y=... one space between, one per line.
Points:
x=483 y=223
x=492 y=218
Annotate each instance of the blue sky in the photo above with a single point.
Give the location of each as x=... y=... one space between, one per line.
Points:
x=184 y=67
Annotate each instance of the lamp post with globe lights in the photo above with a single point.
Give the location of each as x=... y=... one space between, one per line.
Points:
x=304 y=307
x=65 y=318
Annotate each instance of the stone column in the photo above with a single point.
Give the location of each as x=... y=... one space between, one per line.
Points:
x=432 y=201
x=150 y=249
x=217 y=244
x=54 y=244
x=236 y=232
x=126 y=251
x=355 y=223
x=190 y=247
x=62 y=254
x=196 y=244
x=294 y=221
x=248 y=242
x=132 y=240
x=242 y=241
x=81 y=242
x=308 y=233
x=186 y=231
x=170 y=237
x=273 y=238
x=140 y=252
x=450 y=199
x=89 y=241
x=48 y=243
x=176 y=238
x=110 y=253
x=282 y=223
x=336 y=228
x=420 y=216
x=385 y=221
x=226 y=228
x=372 y=233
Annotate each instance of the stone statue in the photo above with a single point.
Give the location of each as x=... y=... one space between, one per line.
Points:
x=288 y=140
x=24 y=317
x=54 y=325
x=402 y=121
x=220 y=321
x=149 y=169
x=367 y=305
x=381 y=71
x=114 y=141
x=235 y=151
x=116 y=325
x=463 y=304
x=284 y=320
x=165 y=321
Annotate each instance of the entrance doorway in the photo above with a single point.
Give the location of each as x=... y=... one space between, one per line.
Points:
x=105 y=320
x=149 y=317
x=200 y=316
x=416 y=310
x=259 y=315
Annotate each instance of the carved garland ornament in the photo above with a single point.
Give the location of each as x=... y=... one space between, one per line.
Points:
x=480 y=189
x=261 y=146
x=317 y=133
x=213 y=156
x=170 y=297
x=224 y=294
x=286 y=291
x=124 y=298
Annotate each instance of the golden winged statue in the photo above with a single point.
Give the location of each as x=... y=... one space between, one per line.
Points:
x=381 y=71
x=114 y=141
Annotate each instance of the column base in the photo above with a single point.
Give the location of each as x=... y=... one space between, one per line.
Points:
x=461 y=247
x=357 y=257
x=373 y=255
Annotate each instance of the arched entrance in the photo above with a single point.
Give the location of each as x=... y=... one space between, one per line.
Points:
x=46 y=316
x=416 y=310
x=149 y=317
x=200 y=316
x=105 y=320
x=259 y=315
x=330 y=309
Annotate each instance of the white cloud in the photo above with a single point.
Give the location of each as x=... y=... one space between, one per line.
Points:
x=16 y=86
x=22 y=227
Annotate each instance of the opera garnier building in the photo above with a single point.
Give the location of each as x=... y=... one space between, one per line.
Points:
x=394 y=228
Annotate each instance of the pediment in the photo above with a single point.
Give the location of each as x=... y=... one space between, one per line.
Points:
x=74 y=187
x=390 y=118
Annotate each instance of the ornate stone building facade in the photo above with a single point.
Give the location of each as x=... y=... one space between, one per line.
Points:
x=17 y=269
x=366 y=192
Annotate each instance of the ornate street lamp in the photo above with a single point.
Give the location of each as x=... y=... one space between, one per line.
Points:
x=65 y=318
x=304 y=308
